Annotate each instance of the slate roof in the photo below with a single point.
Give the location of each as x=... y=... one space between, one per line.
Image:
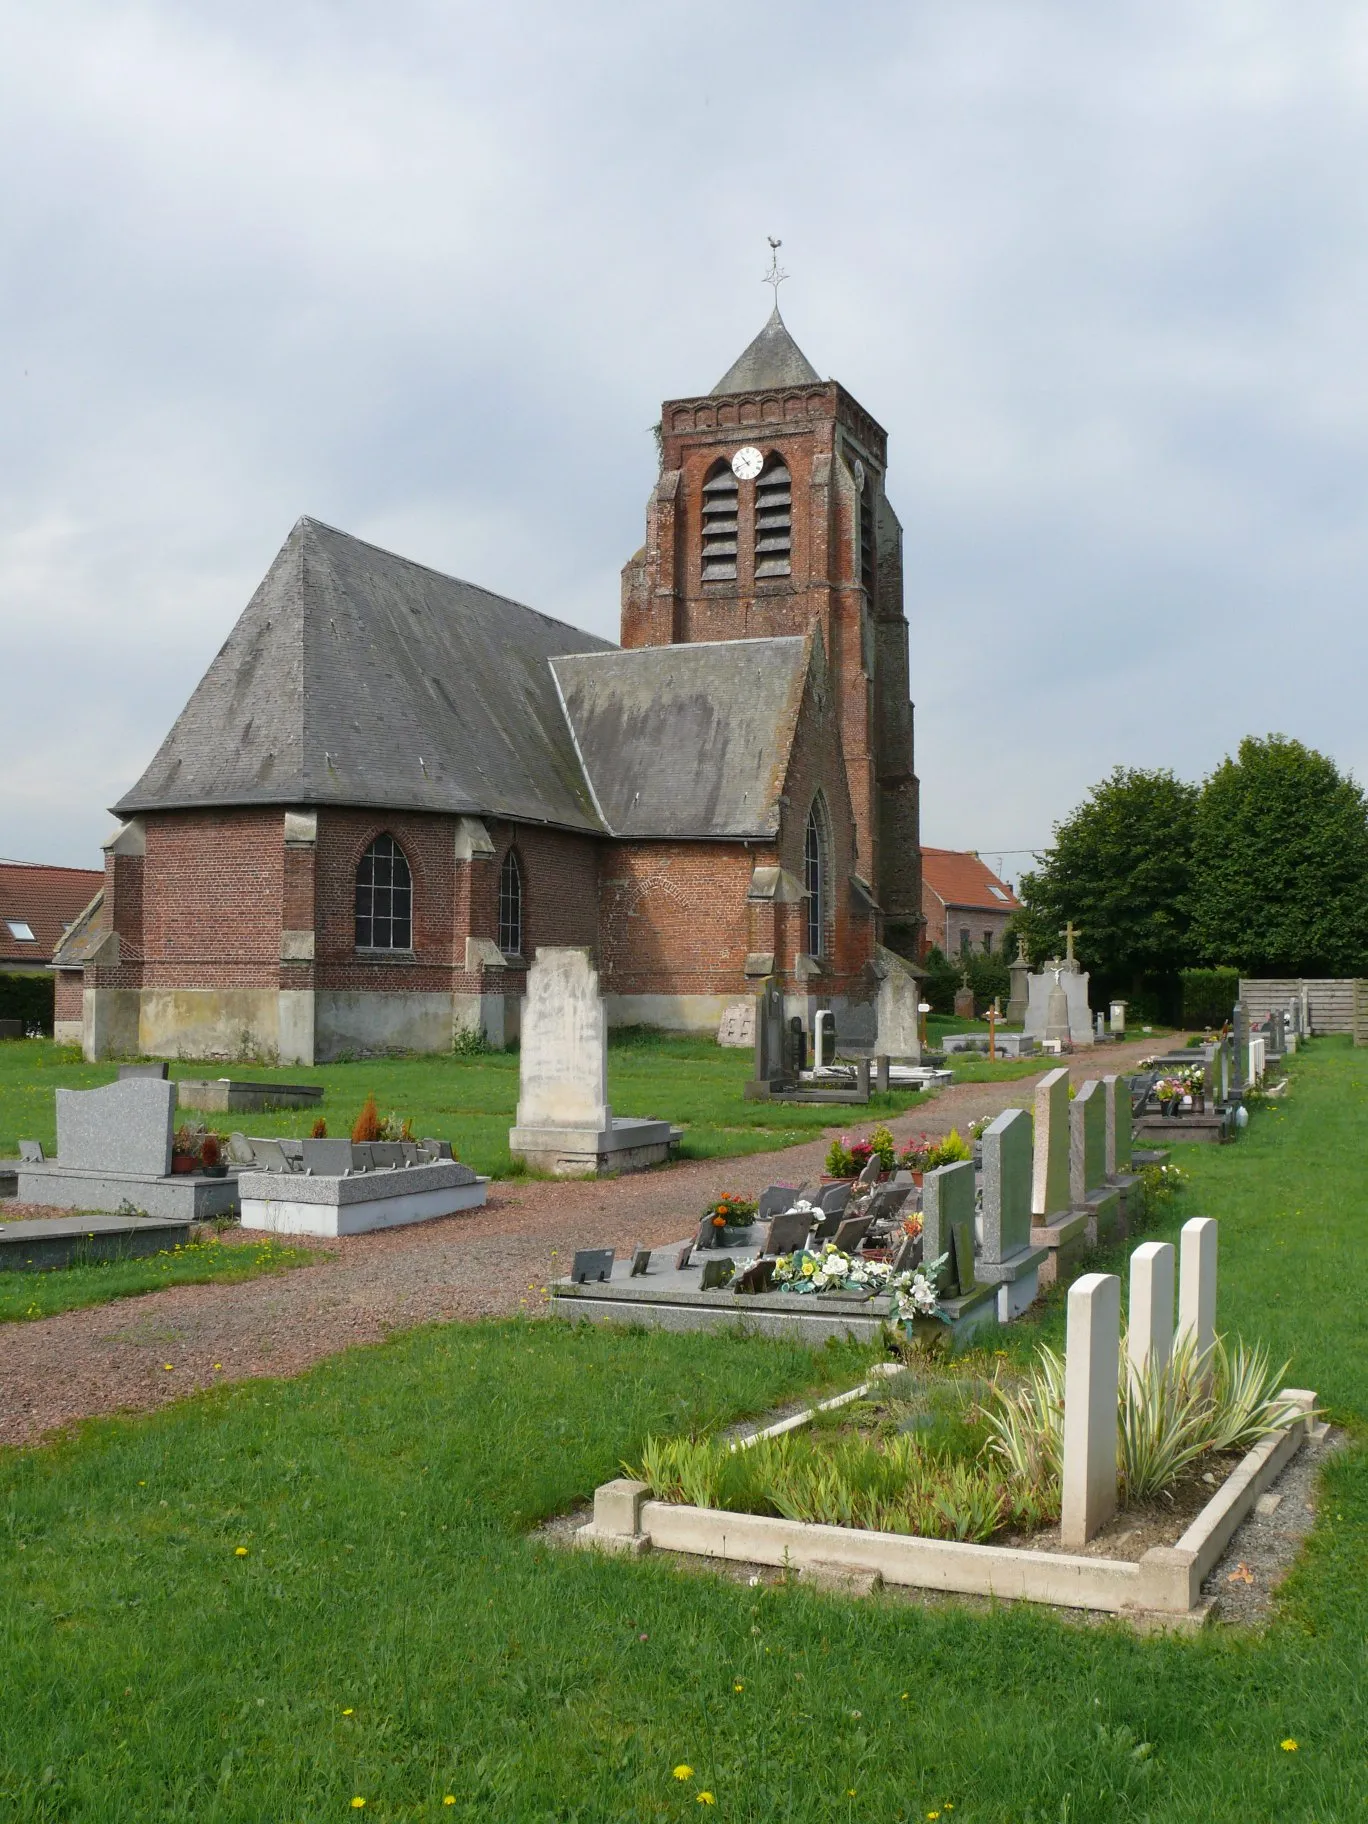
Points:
x=45 y=900
x=83 y=935
x=958 y=878
x=357 y=677
x=773 y=359
x=687 y=741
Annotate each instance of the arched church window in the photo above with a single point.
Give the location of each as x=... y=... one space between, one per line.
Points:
x=719 y=523
x=511 y=905
x=815 y=877
x=384 y=897
x=773 y=519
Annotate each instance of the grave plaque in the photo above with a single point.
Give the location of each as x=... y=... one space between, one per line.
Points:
x=641 y=1259
x=592 y=1264
x=683 y=1257
x=716 y=1273
x=736 y=1029
x=757 y=1277
x=31 y=1151
x=787 y=1232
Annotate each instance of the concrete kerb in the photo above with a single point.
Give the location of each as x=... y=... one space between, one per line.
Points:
x=1164 y=1586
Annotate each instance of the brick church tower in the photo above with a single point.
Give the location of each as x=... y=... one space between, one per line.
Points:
x=770 y=516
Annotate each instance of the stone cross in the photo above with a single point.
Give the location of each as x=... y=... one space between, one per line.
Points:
x=1007 y=1186
x=1070 y=933
x=1050 y=1169
x=1149 y=1325
x=1091 y=1383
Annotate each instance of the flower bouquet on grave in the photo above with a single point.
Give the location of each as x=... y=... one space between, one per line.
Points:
x=185 y=1148
x=828 y=1269
x=730 y=1218
x=918 y=1320
x=917 y=1156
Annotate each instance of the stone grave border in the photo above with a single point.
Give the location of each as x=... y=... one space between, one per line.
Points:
x=1165 y=1586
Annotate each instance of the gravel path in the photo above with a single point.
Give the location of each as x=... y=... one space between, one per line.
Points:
x=490 y=1262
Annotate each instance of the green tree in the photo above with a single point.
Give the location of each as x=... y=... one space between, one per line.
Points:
x=1121 y=869
x=1280 y=867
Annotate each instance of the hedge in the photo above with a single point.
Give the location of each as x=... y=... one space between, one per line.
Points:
x=1209 y=996
x=28 y=998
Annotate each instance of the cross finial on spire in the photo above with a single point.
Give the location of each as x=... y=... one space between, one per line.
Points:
x=775 y=276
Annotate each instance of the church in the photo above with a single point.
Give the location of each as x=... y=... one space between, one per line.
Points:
x=391 y=786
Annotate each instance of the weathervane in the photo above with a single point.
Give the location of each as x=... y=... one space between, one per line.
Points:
x=775 y=276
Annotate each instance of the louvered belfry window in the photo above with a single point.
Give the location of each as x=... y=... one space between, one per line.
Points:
x=384 y=898
x=867 y=537
x=773 y=520
x=719 y=524
x=510 y=906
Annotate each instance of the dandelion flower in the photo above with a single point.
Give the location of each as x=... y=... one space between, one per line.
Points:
x=349 y=1713
x=904 y=1697
x=683 y=1771
x=241 y=1552
x=450 y=1799
x=218 y=1364
x=706 y=1798
x=738 y=1686
x=358 y=1802
x=167 y=1366
x=1289 y=1746
x=933 y=1814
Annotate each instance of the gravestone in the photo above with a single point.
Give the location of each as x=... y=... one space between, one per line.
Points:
x=1239 y=1053
x=1006 y=1186
x=155 y=1071
x=1118 y=1019
x=1074 y=984
x=564 y=1123
x=1019 y=974
x=897 y=1023
x=964 y=1002
x=1087 y=1142
x=947 y=1199
x=124 y=1127
x=1009 y=1260
x=736 y=1029
x=1091 y=1376
x=771 y=1040
x=1118 y=1155
x=1050 y=1170
x=563 y=1071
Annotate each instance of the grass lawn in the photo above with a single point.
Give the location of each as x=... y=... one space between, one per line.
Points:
x=275 y=1600
x=469 y=1101
x=44 y=1294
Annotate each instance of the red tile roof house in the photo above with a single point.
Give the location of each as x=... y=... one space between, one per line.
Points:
x=965 y=905
x=37 y=904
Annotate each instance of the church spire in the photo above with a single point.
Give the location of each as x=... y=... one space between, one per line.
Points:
x=773 y=358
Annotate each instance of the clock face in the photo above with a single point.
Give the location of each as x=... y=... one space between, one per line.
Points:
x=857 y=469
x=747 y=463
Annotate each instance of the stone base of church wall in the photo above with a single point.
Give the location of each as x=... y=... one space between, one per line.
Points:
x=670 y=1012
x=370 y=1025
x=241 y=1023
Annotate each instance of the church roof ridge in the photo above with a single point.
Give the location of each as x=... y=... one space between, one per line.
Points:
x=772 y=359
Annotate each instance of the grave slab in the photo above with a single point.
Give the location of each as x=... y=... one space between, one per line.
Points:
x=291 y=1204
x=182 y=1198
x=221 y=1095
x=63 y=1241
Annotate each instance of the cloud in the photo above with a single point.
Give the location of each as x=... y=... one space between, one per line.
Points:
x=427 y=271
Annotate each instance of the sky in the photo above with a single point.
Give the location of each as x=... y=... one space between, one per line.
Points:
x=426 y=271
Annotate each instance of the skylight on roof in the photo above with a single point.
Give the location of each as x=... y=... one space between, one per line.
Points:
x=21 y=929
x=998 y=893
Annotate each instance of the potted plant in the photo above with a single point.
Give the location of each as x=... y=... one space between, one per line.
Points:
x=185 y=1150
x=731 y=1217
x=917 y=1157
x=211 y=1160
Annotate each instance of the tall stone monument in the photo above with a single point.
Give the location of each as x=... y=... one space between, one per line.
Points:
x=564 y=1124
x=1019 y=974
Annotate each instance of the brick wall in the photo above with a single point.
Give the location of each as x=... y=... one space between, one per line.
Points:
x=673 y=917
x=211 y=898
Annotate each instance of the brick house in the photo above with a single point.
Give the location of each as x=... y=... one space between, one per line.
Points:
x=37 y=904
x=965 y=905
x=391 y=786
